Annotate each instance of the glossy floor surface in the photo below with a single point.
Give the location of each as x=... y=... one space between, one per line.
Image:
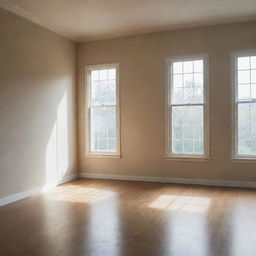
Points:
x=120 y=218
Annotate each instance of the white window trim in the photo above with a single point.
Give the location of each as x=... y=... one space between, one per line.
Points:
x=235 y=157
x=168 y=122
x=88 y=152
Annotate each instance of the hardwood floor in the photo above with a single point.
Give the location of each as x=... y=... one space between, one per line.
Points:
x=121 y=218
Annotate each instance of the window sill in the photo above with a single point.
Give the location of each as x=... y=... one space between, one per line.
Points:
x=243 y=160
x=103 y=155
x=187 y=158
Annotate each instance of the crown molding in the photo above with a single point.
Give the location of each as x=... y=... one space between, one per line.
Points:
x=13 y=8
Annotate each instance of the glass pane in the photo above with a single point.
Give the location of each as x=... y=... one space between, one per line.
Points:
x=198 y=66
x=95 y=75
x=187 y=95
x=243 y=63
x=253 y=62
x=198 y=145
x=177 y=132
x=103 y=93
x=188 y=86
x=187 y=130
x=177 y=95
x=247 y=129
x=198 y=79
x=244 y=91
x=103 y=74
x=178 y=146
x=187 y=66
x=188 y=80
x=177 y=67
x=244 y=77
x=177 y=81
x=253 y=91
x=188 y=146
x=111 y=74
x=103 y=87
x=103 y=129
x=253 y=76
x=198 y=95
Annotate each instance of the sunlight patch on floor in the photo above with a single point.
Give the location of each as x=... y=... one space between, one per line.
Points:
x=72 y=193
x=192 y=204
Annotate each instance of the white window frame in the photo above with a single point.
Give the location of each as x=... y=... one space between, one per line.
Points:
x=89 y=153
x=168 y=148
x=234 y=104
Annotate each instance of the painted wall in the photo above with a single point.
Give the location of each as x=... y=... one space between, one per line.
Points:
x=37 y=106
x=142 y=89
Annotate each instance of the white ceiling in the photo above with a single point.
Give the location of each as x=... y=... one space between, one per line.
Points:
x=86 y=20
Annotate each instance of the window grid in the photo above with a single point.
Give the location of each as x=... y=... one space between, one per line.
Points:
x=245 y=143
x=185 y=139
x=102 y=106
x=190 y=103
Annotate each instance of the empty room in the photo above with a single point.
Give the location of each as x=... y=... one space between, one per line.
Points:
x=128 y=128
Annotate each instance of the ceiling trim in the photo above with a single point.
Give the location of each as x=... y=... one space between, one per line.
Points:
x=11 y=7
x=14 y=8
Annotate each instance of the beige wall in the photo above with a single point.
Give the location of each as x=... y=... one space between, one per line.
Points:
x=142 y=88
x=37 y=106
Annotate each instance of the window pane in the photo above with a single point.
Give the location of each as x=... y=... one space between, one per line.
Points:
x=103 y=92
x=244 y=91
x=111 y=74
x=177 y=132
x=95 y=75
x=253 y=91
x=188 y=80
x=177 y=81
x=243 y=63
x=198 y=94
x=187 y=130
x=177 y=67
x=187 y=66
x=103 y=129
x=198 y=79
x=198 y=66
x=247 y=129
x=188 y=86
x=253 y=76
x=253 y=62
x=244 y=77
x=103 y=74
x=187 y=95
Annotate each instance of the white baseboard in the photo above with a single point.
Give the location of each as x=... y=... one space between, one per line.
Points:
x=34 y=191
x=220 y=183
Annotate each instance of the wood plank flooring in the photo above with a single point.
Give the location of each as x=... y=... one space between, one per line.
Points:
x=121 y=218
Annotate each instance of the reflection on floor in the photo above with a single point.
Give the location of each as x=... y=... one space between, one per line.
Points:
x=119 y=218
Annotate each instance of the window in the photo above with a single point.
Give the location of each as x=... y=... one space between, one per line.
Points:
x=102 y=120
x=187 y=107
x=244 y=105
